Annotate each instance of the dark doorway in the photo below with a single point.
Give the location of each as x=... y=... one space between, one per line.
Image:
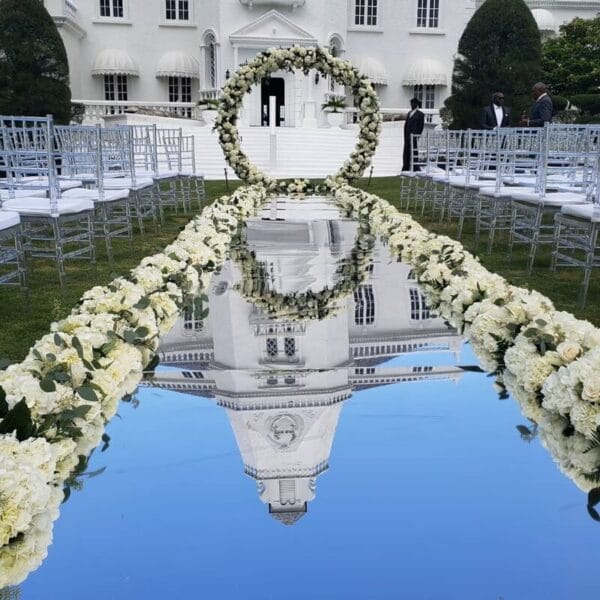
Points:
x=272 y=86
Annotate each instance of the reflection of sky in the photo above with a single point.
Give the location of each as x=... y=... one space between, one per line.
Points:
x=431 y=494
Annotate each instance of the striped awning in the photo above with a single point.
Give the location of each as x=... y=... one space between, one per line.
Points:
x=425 y=71
x=114 y=62
x=373 y=69
x=178 y=64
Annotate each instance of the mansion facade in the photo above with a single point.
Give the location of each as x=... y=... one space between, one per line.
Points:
x=179 y=51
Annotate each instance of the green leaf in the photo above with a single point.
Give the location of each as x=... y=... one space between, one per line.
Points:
x=142 y=332
x=47 y=384
x=593 y=500
x=78 y=412
x=51 y=357
x=523 y=430
x=58 y=340
x=4 y=363
x=18 y=420
x=143 y=303
x=129 y=336
x=88 y=393
x=61 y=376
x=3 y=403
x=77 y=345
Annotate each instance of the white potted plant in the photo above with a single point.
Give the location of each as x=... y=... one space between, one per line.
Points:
x=334 y=109
x=208 y=108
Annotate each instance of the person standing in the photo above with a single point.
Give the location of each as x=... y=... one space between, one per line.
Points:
x=495 y=115
x=542 y=109
x=414 y=124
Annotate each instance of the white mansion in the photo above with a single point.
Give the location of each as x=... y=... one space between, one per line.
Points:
x=168 y=51
x=283 y=383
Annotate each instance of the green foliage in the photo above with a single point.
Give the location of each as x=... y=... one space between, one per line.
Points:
x=500 y=50
x=588 y=104
x=34 y=71
x=559 y=103
x=570 y=61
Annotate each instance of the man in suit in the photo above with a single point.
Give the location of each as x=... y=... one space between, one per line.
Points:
x=414 y=124
x=542 y=109
x=495 y=115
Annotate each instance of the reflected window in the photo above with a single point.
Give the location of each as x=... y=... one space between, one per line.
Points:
x=190 y=323
x=115 y=89
x=364 y=305
x=272 y=347
x=419 y=311
x=289 y=346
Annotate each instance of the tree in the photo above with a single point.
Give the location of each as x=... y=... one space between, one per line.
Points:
x=34 y=70
x=570 y=60
x=500 y=50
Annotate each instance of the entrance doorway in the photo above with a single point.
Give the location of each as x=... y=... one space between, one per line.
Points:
x=272 y=86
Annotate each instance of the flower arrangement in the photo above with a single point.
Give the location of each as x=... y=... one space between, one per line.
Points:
x=303 y=59
x=308 y=305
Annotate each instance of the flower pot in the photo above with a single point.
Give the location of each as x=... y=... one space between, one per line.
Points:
x=335 y=119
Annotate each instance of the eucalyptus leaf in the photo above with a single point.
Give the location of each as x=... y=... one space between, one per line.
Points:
x=47 y=384
x=18 y=420
x=58 y=340
x=75 y=342
x=4 y=363
x=523 y=430
x=88 y=393
x=142 y=332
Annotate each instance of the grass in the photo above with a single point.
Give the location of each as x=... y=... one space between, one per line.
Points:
x=22 y=325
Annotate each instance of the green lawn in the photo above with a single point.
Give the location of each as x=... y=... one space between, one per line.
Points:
x=22 y=326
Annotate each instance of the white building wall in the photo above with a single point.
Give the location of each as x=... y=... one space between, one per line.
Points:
x=395 y=42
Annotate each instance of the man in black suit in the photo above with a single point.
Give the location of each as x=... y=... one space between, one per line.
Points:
x=542 y=109
x=495 y=115
x=415 y=123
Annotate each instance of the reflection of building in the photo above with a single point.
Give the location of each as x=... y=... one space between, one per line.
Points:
x=283 y=383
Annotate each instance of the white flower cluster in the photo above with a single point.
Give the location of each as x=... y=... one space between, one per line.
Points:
x=69 y=385
x=303 y=59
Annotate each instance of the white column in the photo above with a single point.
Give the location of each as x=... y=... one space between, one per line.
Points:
x=310 y=114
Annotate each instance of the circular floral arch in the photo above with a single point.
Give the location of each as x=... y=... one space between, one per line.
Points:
x=291 y=59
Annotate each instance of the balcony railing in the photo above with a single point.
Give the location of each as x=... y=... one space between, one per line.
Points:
x=98 y=109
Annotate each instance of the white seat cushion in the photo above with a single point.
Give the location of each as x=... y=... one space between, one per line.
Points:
x=590 y=212
x=503 y=191
x=121 y=183
x=94 y=196
x=162 y=174
x=37 y=182
x=8 y=219
x=5 y=195
x=557 y=199
x=41 y=206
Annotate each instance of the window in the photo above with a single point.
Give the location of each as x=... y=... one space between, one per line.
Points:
x=272 y=347
x=426 y=94
x=419 y=311
x=210 y=62
x=177 y=10
x=115 y=88
x=364 y=305
x=112 y=8
x=180 y=90
x=365 y=12
x=428 y=13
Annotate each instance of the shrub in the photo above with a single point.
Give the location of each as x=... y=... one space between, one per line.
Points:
x=500 y=49
x=34 y=70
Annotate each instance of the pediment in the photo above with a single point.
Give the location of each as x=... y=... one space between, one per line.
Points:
x=272 y=29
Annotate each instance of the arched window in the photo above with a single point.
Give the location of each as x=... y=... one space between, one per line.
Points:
x=336 y=48
x=210 y=61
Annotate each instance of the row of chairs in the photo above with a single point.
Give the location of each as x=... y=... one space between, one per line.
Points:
x=540 y=185
x=64 y=187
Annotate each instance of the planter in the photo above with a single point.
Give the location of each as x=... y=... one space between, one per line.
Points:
x=335 y=119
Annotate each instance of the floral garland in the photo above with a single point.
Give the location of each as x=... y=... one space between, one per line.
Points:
x=304 y=59
x=55 y=404
x=517 y=334
x=308 y=305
